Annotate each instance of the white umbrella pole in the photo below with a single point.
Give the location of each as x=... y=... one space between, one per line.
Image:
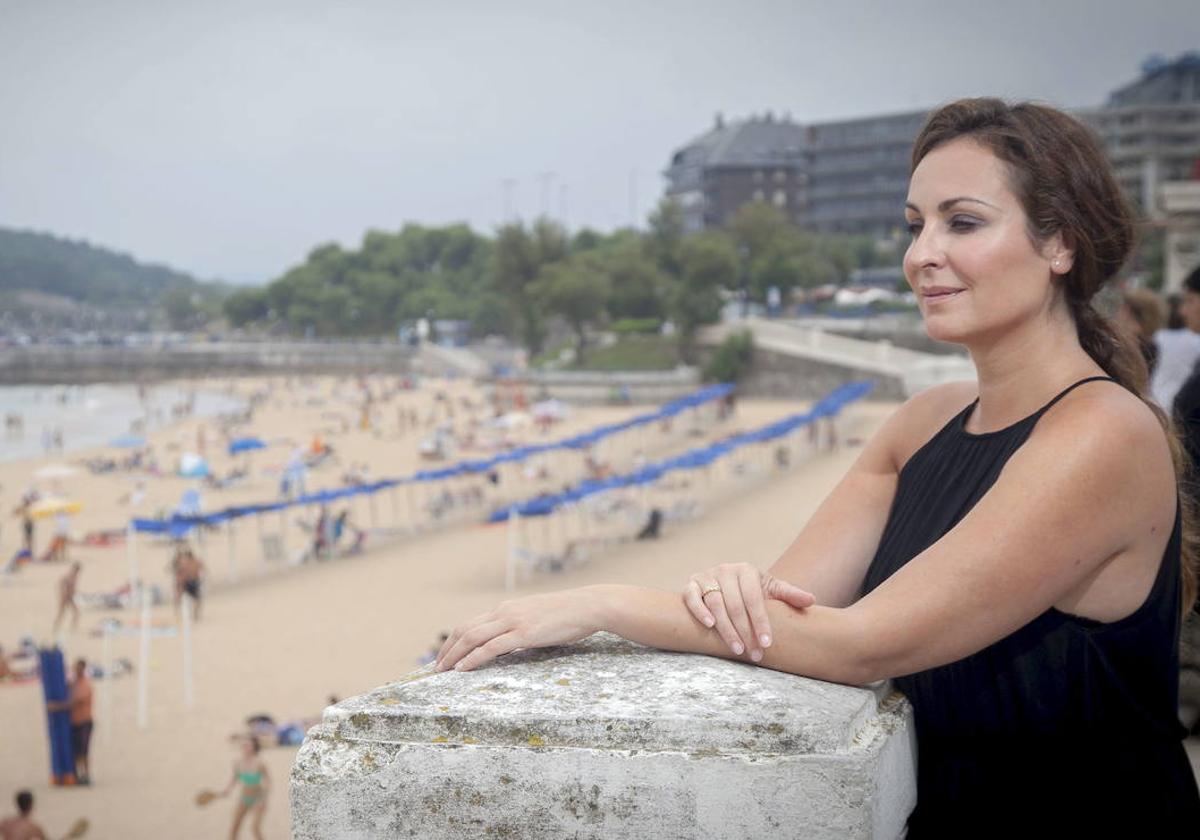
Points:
x=283 y=540
x=106 y=685
x=510 y=567
x=374 y=509
x=131 y=552
x=412 y=507
x=232 y=553
x=144 y=662
x=262 y=555
x=188 y=697
x=392 y=499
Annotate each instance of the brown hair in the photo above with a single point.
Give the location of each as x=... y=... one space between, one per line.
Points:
x=1063 y=180
x=1147 y=308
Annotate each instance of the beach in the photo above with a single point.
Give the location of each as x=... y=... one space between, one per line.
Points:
x=282 y=639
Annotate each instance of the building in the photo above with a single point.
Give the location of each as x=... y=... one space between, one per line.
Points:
x=760 y=159
x=851 y=176
x=858 y=174
x=1151 y=129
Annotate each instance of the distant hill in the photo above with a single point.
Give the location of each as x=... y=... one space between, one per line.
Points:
x=48 y=282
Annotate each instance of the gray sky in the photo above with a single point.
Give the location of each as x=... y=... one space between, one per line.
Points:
x=228 y=137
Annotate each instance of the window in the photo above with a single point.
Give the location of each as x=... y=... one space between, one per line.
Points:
x=780 y=198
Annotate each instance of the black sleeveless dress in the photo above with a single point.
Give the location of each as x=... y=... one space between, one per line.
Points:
x=1069 y=721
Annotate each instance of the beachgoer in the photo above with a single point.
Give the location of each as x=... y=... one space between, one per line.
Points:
x=62 y=536
x=9 y=672
x=1014 y=553
x=432 y=654
x=27 y=528
x=1178 y=347
x=189 y=575
x=1141 y=315
x=22 y=826
x=67 y=586
x=251 y=773
x=79 y=704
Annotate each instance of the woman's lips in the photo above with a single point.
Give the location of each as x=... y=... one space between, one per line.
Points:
x=941 y=294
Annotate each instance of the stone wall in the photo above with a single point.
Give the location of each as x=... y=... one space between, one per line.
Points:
x=608 y=739
x=40 y=364
x=780 y=376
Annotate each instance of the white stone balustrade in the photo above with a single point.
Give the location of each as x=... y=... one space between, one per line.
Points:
x=608 y=739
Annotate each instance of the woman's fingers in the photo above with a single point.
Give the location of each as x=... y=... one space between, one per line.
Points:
x=750 y=581
x=462 y=642
x=498 y=646
x=789 y=593
x=734 y=599
x=695 y=603
x=724 y=626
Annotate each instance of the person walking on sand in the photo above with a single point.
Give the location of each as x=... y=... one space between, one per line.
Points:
x=22 y=826
x=249 y=771
x=79 y=704
x=189 y=574
x=67 y=586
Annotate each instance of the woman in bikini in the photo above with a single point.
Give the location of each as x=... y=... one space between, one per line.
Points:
x=251 y=773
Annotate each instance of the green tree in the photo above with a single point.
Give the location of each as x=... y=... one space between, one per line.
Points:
x=732 y=359
x=181 y=310
x=708 y=263
x=576 y=290
x=246 y=306
x=664 y=239
x=519 y=256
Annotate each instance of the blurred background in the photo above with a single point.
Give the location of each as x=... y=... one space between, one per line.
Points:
x=254 y=252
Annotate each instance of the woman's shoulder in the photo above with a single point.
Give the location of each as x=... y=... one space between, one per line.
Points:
x=1109 y=408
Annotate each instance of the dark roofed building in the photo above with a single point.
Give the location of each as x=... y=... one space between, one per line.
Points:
x=758 y=159
x=851 y=176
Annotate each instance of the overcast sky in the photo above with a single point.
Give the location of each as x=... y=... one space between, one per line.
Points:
x=228 y=138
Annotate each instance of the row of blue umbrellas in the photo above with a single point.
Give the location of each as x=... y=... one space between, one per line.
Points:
x=178 y=524
x=697 y=458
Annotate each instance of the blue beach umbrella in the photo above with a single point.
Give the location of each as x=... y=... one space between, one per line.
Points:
x=128 y=442
x=246 y=444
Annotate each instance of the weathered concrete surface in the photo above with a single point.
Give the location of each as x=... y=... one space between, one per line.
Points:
x=607 y=739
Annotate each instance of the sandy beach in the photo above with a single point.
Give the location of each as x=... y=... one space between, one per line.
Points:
x=283 y=639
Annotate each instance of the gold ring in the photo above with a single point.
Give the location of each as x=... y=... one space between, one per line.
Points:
x=712 y=587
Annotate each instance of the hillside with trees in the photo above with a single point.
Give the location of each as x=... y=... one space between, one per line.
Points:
x=49 y=282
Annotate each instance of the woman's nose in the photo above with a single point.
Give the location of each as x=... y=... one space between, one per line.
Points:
x=925 y=251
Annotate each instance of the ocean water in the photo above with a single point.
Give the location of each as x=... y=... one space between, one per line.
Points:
x=93 y=415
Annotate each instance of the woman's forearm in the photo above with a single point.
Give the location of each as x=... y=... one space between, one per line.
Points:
x=818 y=642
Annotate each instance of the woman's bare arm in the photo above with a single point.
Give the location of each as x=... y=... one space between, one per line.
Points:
x=830 y=555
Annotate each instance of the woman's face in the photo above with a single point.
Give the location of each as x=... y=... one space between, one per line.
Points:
x=971 y=263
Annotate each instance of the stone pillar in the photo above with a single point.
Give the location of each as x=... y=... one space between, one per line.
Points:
x=608 y=739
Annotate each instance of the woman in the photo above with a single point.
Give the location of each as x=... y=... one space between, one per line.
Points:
x=1012 y=553
x=250 y=771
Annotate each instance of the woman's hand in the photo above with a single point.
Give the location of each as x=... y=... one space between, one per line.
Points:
x=556 y=618
x=732 y=598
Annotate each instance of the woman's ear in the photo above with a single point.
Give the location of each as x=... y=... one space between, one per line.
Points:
x=1059 y=251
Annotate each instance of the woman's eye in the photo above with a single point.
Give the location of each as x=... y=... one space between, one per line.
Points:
x=914 y=228
x=963 y=223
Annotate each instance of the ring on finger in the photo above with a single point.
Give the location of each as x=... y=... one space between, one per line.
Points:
x=712 y=587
